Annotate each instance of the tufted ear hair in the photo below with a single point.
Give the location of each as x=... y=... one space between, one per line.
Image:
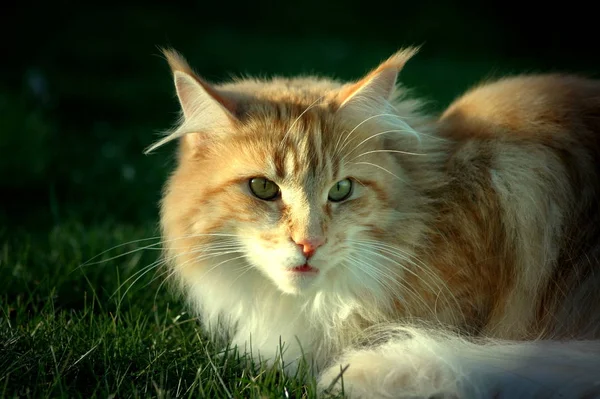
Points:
x=205 y=109
x=197 y=97
x=378 y=86
x=369 y=103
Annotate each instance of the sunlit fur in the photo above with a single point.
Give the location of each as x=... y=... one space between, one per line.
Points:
x=470 y=241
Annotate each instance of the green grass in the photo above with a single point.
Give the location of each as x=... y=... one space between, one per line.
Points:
x=71 y=329
x=74 y=184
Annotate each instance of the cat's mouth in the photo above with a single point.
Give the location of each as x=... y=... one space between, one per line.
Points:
x=304 y=269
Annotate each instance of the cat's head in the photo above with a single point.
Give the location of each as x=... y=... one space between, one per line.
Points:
x=298 y=180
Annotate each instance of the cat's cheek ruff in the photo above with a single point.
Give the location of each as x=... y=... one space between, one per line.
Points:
x=229 y=305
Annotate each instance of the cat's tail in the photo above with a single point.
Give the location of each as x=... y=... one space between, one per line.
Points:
x=417 y=363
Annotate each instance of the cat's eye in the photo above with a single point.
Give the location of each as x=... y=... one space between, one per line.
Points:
x=263 y=188
x=342 y=190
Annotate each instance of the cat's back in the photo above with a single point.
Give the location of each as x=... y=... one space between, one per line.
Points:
x=541 y=136
x=525 y=106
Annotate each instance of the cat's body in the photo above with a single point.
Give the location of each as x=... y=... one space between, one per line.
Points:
x=456 y=235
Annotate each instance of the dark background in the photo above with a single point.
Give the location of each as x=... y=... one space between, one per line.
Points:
x=83 y=89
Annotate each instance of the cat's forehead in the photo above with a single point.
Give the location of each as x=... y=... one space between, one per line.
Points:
x=290 y=144
x=299 y=127
x=299 y=91
x=299 y=139
x=303 y=148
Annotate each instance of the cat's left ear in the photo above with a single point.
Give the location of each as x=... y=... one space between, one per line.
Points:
x=377 y=87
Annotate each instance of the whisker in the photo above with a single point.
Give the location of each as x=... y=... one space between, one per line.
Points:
x=422 y=267
x=399 y=287
x=380 y=167
x=384 y=282
x=174 y=271
x=382 y=278
x=220 y=263
x=246 y=267
x=171 y=274
x=387 y=151
x=147 y=270
x=143 y=270
x=405 y=254
x=209 y=252
x=151 y=246
x=345 y=142
x=372 y=137
x=399 y=253
x=89 y=261
x=211 y=249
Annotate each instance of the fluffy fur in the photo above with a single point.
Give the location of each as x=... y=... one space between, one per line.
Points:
x=463 y=264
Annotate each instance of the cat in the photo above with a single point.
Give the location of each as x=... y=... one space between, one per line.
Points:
x=399 y=253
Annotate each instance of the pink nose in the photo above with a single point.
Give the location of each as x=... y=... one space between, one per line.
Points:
x=310 y=245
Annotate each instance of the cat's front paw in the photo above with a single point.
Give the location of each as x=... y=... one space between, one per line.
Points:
x=386 y=372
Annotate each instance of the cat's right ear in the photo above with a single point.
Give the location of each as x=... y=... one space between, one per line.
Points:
x=198 y=99
x=206 y=110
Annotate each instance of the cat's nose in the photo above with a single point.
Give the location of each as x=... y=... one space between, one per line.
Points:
x=310 y=245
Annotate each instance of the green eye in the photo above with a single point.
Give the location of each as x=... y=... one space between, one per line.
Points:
x=263 y=188
x=340 y=191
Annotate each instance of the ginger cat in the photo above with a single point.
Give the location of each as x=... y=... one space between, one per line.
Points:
x=452 y=255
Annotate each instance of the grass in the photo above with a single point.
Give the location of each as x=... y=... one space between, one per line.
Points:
x=74 y=120
x=93 y=330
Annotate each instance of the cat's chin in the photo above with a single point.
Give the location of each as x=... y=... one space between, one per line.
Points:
x=296 y=283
